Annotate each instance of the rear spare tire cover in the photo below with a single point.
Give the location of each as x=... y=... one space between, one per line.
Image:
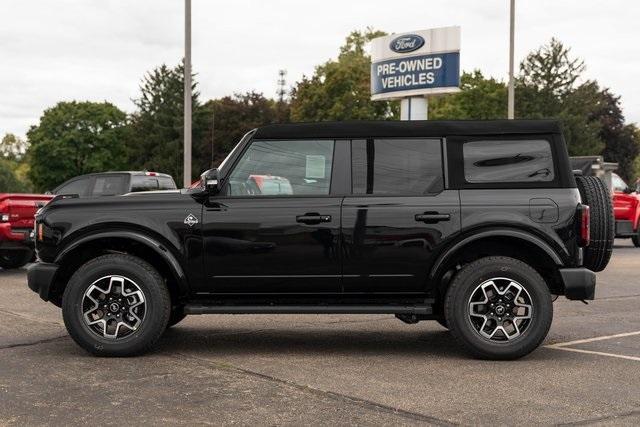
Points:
x=595 y=193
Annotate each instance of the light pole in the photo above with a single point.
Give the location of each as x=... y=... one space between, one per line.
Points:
x=187 y=95
x=213 y=136
x=511 y=92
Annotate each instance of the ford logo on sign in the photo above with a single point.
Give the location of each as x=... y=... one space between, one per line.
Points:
x=407 y=43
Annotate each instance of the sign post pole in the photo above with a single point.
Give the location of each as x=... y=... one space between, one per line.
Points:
x=186 y=167
x=511 y=95
x=411 y=66
x=414 y=108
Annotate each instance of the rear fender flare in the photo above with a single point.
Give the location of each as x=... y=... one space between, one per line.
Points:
x=450 y=252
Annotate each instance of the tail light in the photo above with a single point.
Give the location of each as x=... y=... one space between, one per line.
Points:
x=4 y=217
x=585 y=225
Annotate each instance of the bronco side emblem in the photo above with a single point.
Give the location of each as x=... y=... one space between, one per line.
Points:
x=191 y=220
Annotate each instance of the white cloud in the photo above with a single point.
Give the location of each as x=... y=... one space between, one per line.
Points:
x=99 y=50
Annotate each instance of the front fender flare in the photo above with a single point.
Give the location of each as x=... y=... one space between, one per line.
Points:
x=151 y=243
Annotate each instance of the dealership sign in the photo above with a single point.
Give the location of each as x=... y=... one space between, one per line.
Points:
x=417 y=63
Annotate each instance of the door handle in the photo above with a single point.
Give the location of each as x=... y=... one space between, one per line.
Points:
x=313 y=218
x=432 y=217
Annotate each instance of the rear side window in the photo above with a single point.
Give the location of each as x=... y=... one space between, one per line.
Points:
x=151 y=183
x=500 y=161
x=108 y=186
x=143 y=183
x=166 y=183
x=77 y=186
x=397 y=166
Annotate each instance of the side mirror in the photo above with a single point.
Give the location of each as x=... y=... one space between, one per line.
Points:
x=627 y=190
x=206 y=185
x=211 y=182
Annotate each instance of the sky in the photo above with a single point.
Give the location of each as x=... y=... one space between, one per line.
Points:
x=98 y=50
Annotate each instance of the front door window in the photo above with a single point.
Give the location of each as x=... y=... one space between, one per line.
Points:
x=283 y=168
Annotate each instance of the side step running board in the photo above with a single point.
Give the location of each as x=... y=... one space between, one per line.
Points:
x=306 y=309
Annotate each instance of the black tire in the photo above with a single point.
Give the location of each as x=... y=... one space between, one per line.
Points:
x=636 y=239
x=595 y=193
x=467 y=282
x=10 y=259
x=177 y=316
x=150 y=283
x=443 y=322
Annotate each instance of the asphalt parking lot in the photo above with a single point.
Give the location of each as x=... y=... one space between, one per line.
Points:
x=293 y=369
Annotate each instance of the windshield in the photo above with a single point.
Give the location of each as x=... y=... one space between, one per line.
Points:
x=618 y=184
x=224 y=164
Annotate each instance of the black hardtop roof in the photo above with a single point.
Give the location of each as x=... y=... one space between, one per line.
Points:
x=416 y=128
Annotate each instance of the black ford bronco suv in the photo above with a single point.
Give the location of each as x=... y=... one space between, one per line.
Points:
x=475 y=224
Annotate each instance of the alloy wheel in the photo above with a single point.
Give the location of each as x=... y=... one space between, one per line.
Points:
x=500 y=309
x=113 y=307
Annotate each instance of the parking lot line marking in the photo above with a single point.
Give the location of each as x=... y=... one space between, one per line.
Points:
x=597 y=353
x=588 y=340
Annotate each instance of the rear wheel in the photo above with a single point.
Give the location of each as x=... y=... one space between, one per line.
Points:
x=15 y=258
x=595 y=193
x=498 y=308
x=116 y=305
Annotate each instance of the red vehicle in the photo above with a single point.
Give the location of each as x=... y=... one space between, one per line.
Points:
x=16 y=227
x=626 y=205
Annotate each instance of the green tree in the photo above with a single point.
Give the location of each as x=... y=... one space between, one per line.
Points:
x=480 y=98
x=622 y=144
x=592 y=117
x=340 y=90
x=14 y=163
x=234 y=116
x=12 y=147
x=157 y=127
x=547 y=88
x=551 y=69
x=9 y=182
x=576 y=114
x=74 y=138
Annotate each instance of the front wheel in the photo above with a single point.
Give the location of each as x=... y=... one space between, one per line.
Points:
x=116 y=305
x=498 y=308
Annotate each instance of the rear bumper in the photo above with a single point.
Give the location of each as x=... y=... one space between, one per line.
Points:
x=10 y=239
x=579 y=283
x=624 y=228
x=40 y=278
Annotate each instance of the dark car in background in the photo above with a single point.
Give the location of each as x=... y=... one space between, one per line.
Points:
x=17 y=210
x=115 y=183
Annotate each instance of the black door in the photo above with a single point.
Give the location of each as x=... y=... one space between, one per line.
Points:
x=276 y=226
x=398 y=215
